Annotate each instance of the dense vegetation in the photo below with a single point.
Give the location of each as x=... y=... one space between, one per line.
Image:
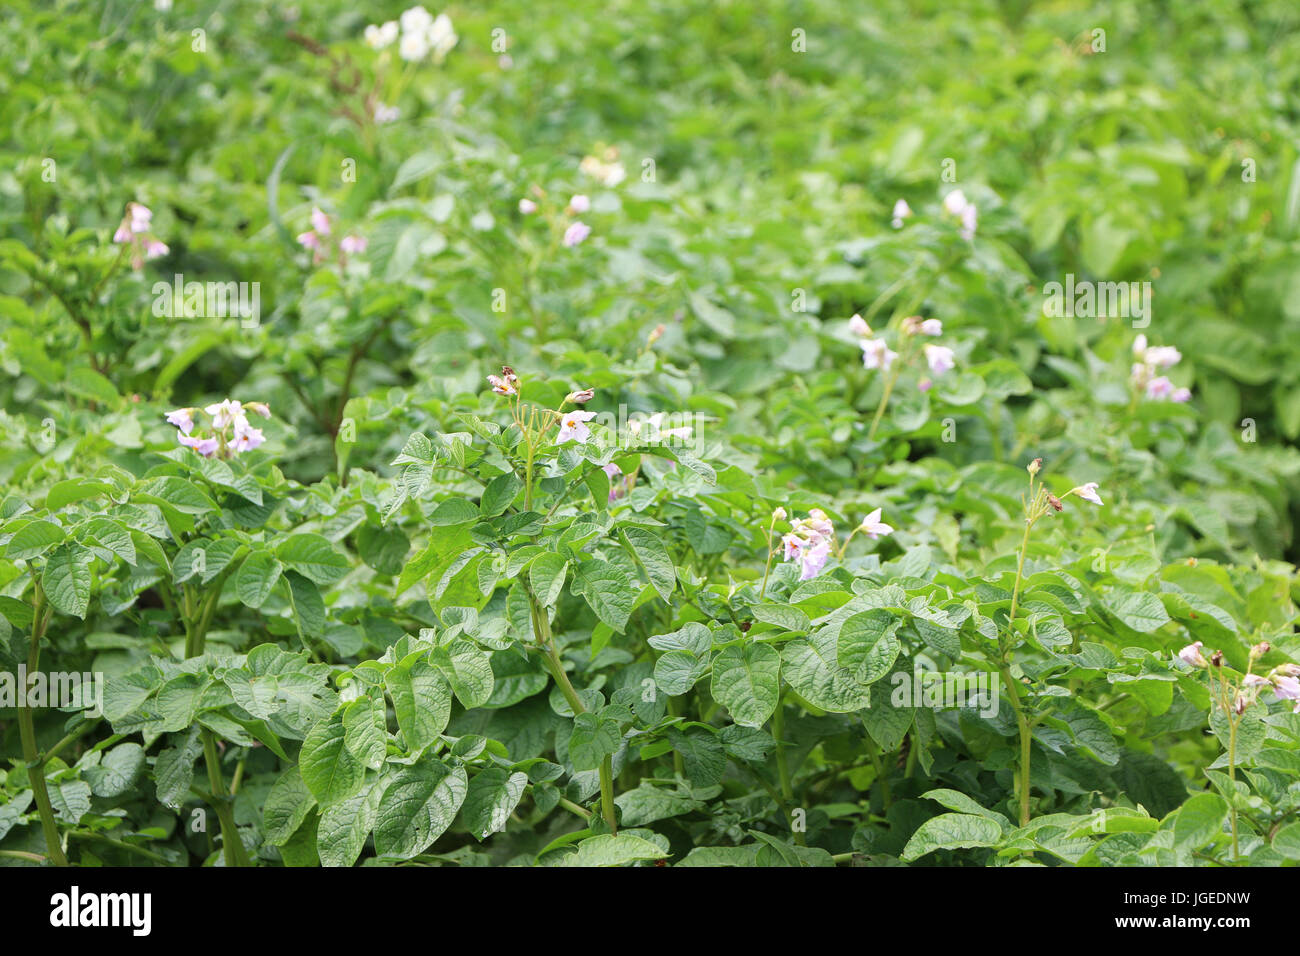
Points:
x=691 y=434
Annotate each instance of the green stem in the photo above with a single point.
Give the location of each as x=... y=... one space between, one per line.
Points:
x=884 y=398
x=1232 y=778
x=542 y=626
x=783 y=767
x=222 y=802
x=1026 y=739
x=27 y=731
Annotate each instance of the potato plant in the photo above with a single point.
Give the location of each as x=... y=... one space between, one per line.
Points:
x=430 y=441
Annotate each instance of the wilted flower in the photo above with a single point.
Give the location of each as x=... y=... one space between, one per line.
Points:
x=940 y=358
x=576 y=233
x=1191 y=655
x=1055 y=502
x=578 y=205
x=901 y=211
x=873 y=527
x=876 y=353
x=573 y=427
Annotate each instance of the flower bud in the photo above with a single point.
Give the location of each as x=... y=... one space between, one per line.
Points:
x=1217 y=659
x=655 y=334
x=1259 y=650
x=580 y=396
x=778 y=514
x=1034 y=467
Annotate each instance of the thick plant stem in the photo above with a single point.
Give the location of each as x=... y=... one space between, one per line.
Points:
x=542 y=626
x=27 y=731
x=782 y=766
x=231 y=845
x=1026 y=740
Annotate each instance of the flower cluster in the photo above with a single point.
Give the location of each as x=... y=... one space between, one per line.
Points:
x=417 y=33
x=320 y=237
x=227 y=432
x=135 y=231
x=1150 y=360
x=876 y=353
x=811 y=540
x=573 y=424
x=1283 y=680
x=605 y=169
x=576 y=231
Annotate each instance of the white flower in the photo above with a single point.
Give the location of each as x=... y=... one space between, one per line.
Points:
x=527 y=207
x=873 y=527
x=901 y=211
x=386 y=114
x=225 y=412
x=1192 y=656
x=876 y=353
x=1163 y=356
x=940 y=358
x=414 y=47
x=573 y=427
x=441 y=37
x=416 y=20
x=858 y=326
x=955 y=202
x=379 y=37
x=579 y=204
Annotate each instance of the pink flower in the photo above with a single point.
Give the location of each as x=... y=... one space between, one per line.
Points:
x=501 y=386
x=573 y=427
x=940 y=358
x=153 y=249
x=207 y=447
x=925 y=384
x=182 y=418
x=246 y=436
x=1088 y=492
x=576 y=233
x=858 y=326
x=1160 y=387
x=1180 y=395
x=1286 y=688
x=320 y=222
x=1191 y=655
x=873 y=527
x=309 y=240
x=813 y=560
x=876 y=353
x=1163 y=356
x=123 y=233
x=579 y=204
x=353 y=244
x=527 y=207
x=386 y=114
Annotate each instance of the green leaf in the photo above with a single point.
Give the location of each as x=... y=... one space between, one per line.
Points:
x=34 y=539
x=287 y=805
x=746 y=681
x=179 y=493
x=418 y=806
x=66 y=579
x=312 y=556
x=594 y=738
x=950 y=831
x=453 y=511
x=421 y=700
x=469 y=671
x=608 y=588
x=867 y=644
x=117 y=772
x=343 y=828
x=1200 y=820
x=328 y=768
x=492 y=797
x=546 y=575
x=607 y=850
x=1140 y=610
x=650 y=553
x=256 y=578
x=499 y=493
